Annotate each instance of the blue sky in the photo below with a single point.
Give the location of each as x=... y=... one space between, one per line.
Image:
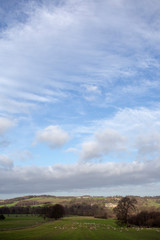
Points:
x=79 y=97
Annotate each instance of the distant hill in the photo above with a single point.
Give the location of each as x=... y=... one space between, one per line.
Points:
x=107 y=202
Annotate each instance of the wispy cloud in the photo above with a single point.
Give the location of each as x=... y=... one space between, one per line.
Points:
x=89 y=72
x=55 y=50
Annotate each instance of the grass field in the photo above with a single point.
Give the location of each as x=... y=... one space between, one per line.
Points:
x=74 y=228
x=20 y=221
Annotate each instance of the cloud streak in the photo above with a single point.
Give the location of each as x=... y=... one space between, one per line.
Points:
x=55 y=39
x=84 y=176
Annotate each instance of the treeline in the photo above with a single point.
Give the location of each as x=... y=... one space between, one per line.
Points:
x=75 y=209
x=20 y=210
x=86 y=210
x=127 y=213
x=146 y=219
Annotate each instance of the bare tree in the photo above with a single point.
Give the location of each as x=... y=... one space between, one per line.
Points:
x=124 y=208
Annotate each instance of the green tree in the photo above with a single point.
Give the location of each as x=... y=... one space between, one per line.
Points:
x=124 y=209
x=56 y=211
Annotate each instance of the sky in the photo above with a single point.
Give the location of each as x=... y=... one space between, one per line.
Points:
x=79 y=97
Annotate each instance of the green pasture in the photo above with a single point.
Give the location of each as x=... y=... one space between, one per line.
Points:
x=76 y=228
x=14 y=221
x=9 y=204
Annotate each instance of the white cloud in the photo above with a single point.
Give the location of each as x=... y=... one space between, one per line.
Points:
x=54 y=136
x=132 y=121
x=102 y=51
x=5 y=125
x=91 y=93
x=76 y=36
x=75 y=177
x=104 y=142
x=92 y=89
x=130 y=133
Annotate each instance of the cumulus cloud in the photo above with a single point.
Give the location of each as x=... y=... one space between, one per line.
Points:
x=136 y=130
x=53 y=136
x=5 y=162
x=108 y=141
x=80 y=177
x=5 y=124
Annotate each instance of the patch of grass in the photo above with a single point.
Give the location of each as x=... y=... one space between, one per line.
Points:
x=14 y=221
x=9 y=204
x=81 y=228
x=153 y=203
x=100 y=198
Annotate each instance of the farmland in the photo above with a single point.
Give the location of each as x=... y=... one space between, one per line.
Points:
x=14 y=221
x=81 y=228
x=27 y=223
x=108 y=202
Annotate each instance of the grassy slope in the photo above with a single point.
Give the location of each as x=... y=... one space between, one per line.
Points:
x=80 y=228
x=40 y=200
x=9 y=204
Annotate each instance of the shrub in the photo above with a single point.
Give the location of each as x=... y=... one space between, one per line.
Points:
x=2 y=217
